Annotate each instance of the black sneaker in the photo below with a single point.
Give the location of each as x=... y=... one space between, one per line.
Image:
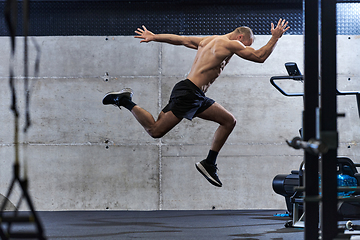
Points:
x=209 y=172
x=114 y=98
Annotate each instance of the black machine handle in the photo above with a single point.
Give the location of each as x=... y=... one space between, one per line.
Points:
x=296 y=78
x=301 y=78
x=294 y=74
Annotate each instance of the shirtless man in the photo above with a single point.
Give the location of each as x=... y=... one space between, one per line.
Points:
x=187 y=99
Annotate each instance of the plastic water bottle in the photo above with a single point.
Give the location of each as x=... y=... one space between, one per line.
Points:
x=344 y=180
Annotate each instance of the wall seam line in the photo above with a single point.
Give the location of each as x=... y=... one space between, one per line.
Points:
x=160 y=139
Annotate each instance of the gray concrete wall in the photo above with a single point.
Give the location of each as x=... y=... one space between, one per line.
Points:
x=83 y=155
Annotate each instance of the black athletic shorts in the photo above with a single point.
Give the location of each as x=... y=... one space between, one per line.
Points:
x=187 y=100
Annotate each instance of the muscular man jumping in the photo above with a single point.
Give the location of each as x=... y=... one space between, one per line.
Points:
x=188 y=98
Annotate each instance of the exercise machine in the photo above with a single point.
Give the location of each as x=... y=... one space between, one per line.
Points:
x=291 y=186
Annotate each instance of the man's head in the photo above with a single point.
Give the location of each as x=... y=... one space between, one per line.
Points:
x=244 y=35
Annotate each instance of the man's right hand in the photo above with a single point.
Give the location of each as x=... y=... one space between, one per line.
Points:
x=280 y=28
x=144 y=34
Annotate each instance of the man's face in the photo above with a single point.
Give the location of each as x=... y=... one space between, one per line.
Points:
x=246 y=40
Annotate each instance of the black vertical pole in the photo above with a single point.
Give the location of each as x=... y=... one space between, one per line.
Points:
x=311 y=104
x=329 y=133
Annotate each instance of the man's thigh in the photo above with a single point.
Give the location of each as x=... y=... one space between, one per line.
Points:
x=217 y=113
x=165 y=122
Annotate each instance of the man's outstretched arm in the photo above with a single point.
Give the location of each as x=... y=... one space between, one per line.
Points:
x=147 y=36
x=263 y=53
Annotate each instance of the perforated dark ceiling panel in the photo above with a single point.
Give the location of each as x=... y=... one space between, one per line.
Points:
x=106 y=18
x=348 y=18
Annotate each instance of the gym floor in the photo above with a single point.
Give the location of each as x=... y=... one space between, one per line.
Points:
x=174 y=225
x=197 y=225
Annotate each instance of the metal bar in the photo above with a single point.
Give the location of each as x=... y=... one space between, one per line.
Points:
x=272 y=81
x=312 y=146
x=328 y=120
x=296 y=78
x=311 y=103
x=349 y=189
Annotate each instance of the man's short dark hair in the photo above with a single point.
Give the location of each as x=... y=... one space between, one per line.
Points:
x=245 y=30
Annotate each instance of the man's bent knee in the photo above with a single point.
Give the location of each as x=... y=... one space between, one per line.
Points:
x=156 y=133
x=232 y=123
x=163 y=125
x=229 y=124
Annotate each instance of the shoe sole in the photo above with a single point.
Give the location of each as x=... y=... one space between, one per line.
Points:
x=203 y=171
x=131 y=93
x=129 y=90
x=107 y=94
